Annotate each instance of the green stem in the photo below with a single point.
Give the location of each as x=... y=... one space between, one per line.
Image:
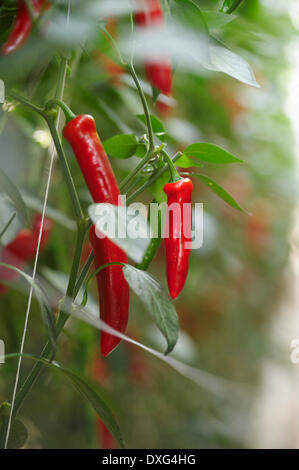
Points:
x=151 y=149
x=7 y=225
x=69 y=115
x=152 y=248
x=152 y=179
x=232 y=8
x=72 y=291
x=135 y=171
x=83 y=273
x=73 y=287
x=61 y=78
x=173 y=171
x=133 y=185
x=66 y=170
x=27 y=103
x=131 y=70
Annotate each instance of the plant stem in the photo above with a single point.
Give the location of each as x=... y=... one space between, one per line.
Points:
x=173 y=171
x=83 y=273
x=150 y=133
x=82 y=223
x=66 y=170
x=152 y=179
x=152 y=248
x=7 y=225
x=232 y=8
x=69 y=115
x=61 y=78
x=71 y=292
x=27 y=103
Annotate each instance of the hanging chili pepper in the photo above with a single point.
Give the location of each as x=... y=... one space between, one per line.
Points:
x=158 y=71
x=178 y=233
x=23 y=249
x=22 y=25
x=113 y=289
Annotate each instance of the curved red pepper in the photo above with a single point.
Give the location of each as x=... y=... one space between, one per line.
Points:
x=159 y=71
x=113 y=289
x=23 y=249
x=178 y=232
x=22 y=26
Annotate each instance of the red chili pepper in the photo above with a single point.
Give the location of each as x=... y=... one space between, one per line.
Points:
x=23 y=248
x=158 y=71
x=113 y=289
x=178 y=233
x=22 y=26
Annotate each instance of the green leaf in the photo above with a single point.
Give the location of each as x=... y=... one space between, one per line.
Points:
x=18 y=432
x=157 y=125
x=121 y=146
x=8 y=187
x=158 y=304
x=189 y=12
x=44 y=304
x=141 y=150
x=216 y=19
x=210 y=153
x=185 y=162
x=87 y=389
x=224 y=60
x=221 y=192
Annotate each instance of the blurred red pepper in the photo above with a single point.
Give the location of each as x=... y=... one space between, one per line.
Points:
x=22 y=25
x=158 y=70
x=113 y=289
x=164 y=110
x=23 y=249
x=100 y=373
